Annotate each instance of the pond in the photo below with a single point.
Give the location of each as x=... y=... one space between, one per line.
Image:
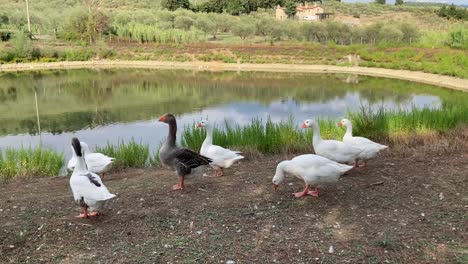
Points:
x=100 y=106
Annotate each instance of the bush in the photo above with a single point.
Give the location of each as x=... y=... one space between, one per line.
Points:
x=5 y=35
x=36 y=54
x=458 y=38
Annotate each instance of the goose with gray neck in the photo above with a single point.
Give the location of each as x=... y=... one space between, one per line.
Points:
x=182 y=160
x=87 y=187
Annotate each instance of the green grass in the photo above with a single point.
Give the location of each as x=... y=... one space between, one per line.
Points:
x=386 y=126
x=127 y=154
x=381 y=125
x=29 y=162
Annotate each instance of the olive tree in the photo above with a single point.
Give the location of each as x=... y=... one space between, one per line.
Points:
x=243 y=28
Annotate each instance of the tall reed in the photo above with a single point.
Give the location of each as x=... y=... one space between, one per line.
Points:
x=127 y=154
x=381 y=125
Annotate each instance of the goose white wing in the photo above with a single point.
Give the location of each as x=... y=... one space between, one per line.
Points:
x=97 y=162
x=337 y=150
x=221 y=155
x=89 y=186
x=362 y=141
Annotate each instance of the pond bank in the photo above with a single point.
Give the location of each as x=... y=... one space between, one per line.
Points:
x=428 y=78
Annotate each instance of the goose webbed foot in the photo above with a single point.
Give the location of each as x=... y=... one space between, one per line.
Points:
x=356 y=164
x=84 y=213
x=314 y=193
x=303 y=193
x=180 y=185
x=94 y=214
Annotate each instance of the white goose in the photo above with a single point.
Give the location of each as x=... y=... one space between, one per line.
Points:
x=332 y=149
x=88 y=190
x=369 y=148
x=222 y=158
x=96 y=162
x=314 y=170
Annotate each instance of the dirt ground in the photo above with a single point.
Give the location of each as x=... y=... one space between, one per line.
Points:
x=408 y=206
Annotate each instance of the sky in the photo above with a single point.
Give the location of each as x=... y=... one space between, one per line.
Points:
x=456 y=2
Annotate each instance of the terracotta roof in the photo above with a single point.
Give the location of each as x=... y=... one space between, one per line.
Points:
x=300 y=8
x=306 y=7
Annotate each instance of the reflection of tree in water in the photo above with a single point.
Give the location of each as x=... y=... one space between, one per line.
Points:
x=71 y=100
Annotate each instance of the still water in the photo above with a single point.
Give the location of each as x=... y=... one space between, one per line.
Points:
x=100 y=106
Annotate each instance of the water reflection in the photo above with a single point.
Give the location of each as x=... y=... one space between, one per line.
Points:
x=112 y=105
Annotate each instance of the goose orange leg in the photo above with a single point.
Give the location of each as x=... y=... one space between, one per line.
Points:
x=180 y=185
x=303 y=193
x=356 y=164
x=222 y=172
x=94 y=214
x=84 y=213
x=315 y=192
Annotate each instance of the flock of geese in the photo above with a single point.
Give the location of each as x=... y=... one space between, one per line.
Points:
x=325 y=167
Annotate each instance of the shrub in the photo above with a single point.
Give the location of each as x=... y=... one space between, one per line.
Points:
x=127 y=155
x=458 y=38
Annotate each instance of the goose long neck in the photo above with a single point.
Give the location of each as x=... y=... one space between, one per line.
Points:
x=317 y=137
x=349 y=130
x=81 y=164
x=209 y=136
x=171 y=137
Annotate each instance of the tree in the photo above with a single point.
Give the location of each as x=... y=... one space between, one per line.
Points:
x=390 y=34
x=243 y=28
x=399 y=2
x=410 y=32
x=290 y=8
x=183 y=22
x=237 y=7
x=172 y=5
x=380 y=2
x=205 y=24
x=168 y=18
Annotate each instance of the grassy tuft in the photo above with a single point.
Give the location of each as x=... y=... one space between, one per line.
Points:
x=387 y=126
x=127 y=155
x=29 y=162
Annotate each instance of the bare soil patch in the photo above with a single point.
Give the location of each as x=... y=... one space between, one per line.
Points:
x=408 y=206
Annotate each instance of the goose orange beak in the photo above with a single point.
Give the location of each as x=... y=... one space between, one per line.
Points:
x=199 y=125
x=304 y=125
x=340 y=124
x=162 y=118
x=275 y=187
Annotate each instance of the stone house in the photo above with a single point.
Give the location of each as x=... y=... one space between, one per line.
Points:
x=304 y=12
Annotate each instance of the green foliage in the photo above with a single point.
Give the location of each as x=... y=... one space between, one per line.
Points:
x=147 y=33
x=29 y=162
x=127 y=155
x=399 y=2
x=290 y=8
x=453 y=12
x=22 y=45
x=175 y=4
x=380 y=2
x=381 y=125
x=243 y=28
x=458 y=38
x=5 y=35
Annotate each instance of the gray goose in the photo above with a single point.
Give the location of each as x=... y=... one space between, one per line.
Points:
x=182 y=160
